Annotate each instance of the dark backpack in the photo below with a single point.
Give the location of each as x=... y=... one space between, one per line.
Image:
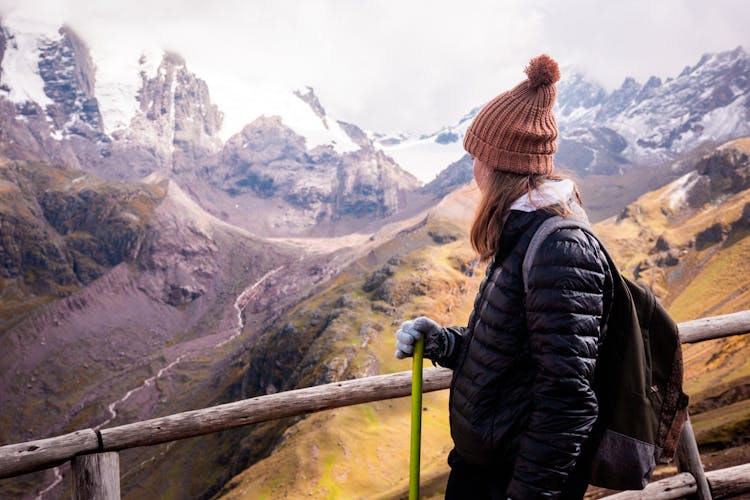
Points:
x=638 y=378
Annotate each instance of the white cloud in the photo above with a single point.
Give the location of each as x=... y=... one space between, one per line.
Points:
x=396 y=65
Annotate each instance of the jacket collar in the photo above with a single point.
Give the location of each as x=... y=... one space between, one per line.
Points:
x=551 y=192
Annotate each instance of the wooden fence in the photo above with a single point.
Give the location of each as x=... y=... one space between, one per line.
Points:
x=95 y=461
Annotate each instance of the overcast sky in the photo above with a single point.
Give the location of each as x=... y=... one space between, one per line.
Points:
x=399 y=65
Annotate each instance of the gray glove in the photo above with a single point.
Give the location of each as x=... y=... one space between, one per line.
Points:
x=438 y=341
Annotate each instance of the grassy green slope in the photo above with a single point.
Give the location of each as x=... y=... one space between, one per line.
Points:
x=363 y=451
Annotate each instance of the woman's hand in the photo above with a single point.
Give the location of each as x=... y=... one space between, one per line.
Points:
x=438 y=341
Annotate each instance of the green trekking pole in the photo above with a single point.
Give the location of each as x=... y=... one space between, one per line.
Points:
x=416 y=419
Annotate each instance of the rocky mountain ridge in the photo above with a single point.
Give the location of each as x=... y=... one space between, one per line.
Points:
x=47 y=101
x=176 y=123
x=268 y=165
x=175 y=129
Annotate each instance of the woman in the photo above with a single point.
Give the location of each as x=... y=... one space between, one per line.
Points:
x=522 y=407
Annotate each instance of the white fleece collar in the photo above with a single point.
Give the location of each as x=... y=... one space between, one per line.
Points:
x=551 y=192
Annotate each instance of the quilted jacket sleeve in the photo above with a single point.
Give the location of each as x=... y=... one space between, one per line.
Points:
x=564 y=305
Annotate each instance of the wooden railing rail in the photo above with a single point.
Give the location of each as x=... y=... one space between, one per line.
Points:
x=22 y=458
x=724 y=483
x=31 y=456
x=715 y=327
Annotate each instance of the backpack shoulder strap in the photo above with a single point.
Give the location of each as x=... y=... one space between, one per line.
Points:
x=548 y=227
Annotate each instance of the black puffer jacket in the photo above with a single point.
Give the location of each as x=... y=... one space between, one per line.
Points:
x=521 y=393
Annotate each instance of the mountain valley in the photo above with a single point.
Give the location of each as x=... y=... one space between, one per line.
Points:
x=153 y=262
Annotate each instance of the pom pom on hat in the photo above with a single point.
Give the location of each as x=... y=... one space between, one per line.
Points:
x=542 y=70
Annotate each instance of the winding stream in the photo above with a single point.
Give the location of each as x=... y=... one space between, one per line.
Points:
x=240 y=303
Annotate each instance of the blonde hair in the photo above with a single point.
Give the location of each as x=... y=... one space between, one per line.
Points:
x=500 y=191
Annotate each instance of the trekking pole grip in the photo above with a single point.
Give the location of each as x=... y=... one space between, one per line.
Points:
x=416 y=419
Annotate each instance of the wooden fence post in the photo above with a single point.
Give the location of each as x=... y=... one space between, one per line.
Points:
x=689 y=460
x=96 y=476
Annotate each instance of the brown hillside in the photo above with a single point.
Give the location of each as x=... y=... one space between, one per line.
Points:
x=664 y=239
x=694 y=250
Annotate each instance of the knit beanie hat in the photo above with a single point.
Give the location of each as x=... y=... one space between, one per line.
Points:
x=516 y=131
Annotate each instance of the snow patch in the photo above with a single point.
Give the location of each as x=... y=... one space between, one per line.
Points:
x=575 y=115
x=118 y=82
x=720 y=123
x=172 y=125
x=423 y=156
x=678 y=190
x=297 y=115
x=21 y=61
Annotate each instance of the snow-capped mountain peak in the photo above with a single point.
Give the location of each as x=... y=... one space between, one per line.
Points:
x=306 y=116
x=601 y=131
